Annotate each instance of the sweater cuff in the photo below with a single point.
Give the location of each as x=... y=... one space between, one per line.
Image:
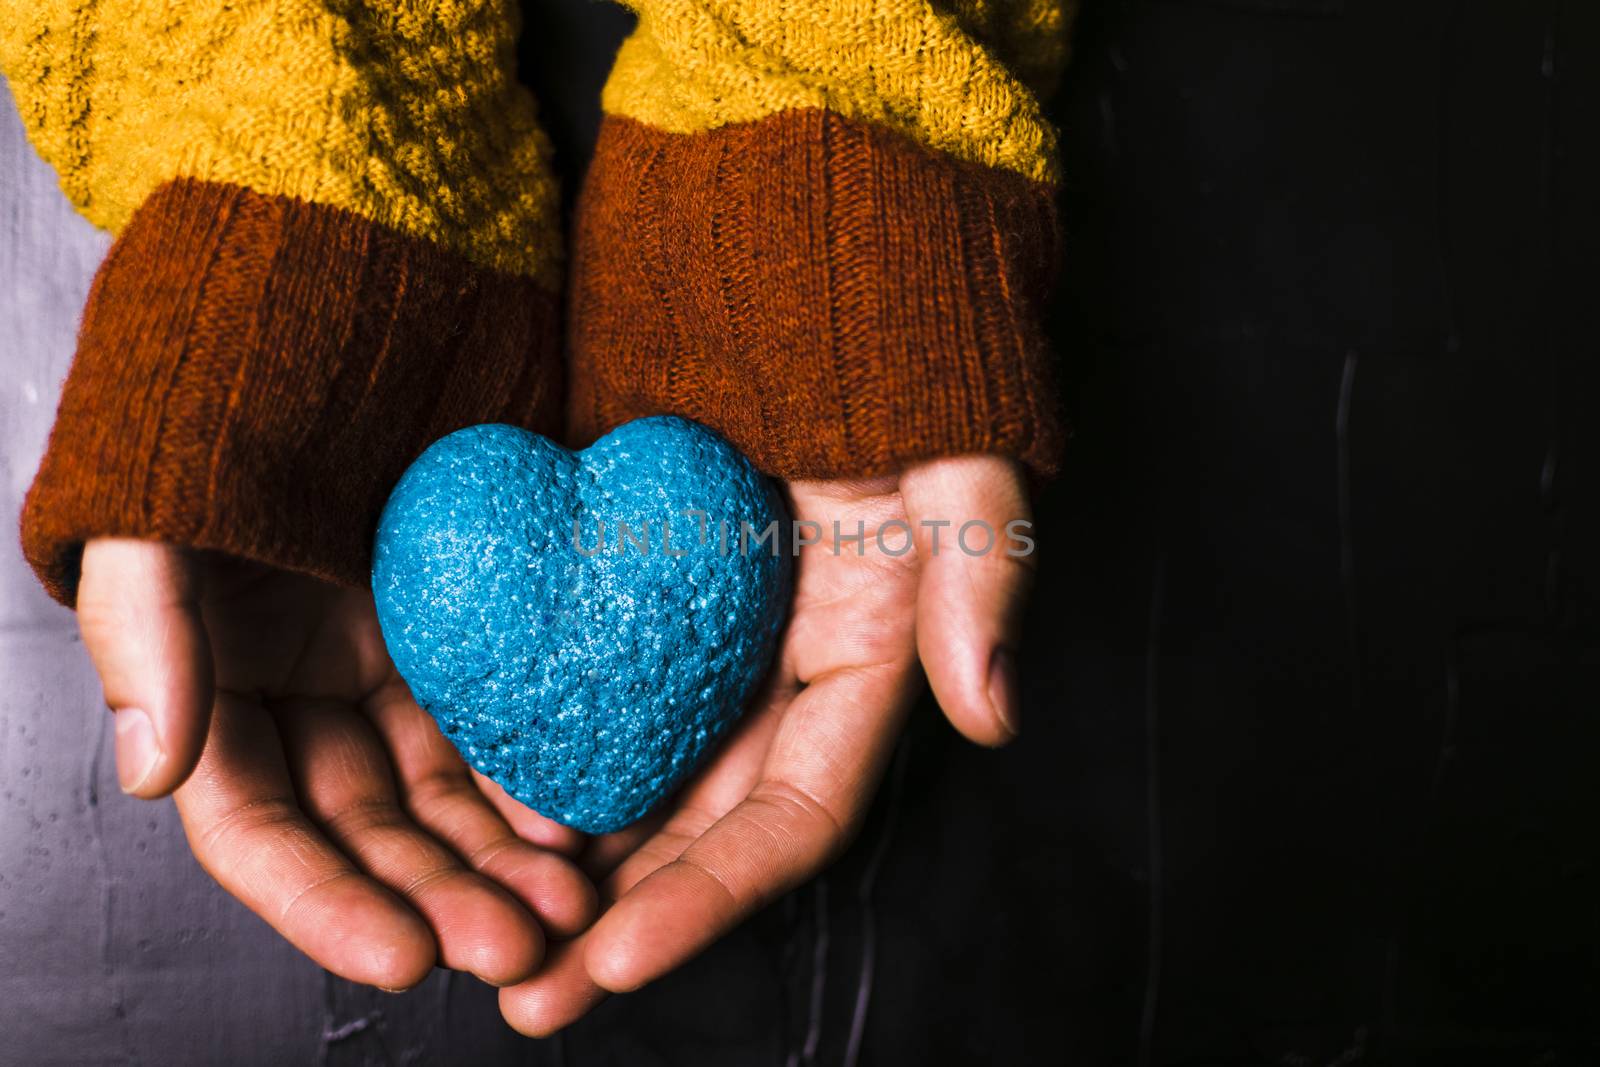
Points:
x=833 y=297
x=254 y=373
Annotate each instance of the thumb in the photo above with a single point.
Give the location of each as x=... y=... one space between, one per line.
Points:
x=139 y=611
x=972 y=526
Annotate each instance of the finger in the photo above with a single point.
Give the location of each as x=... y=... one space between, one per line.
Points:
x=248 y=832
x=825 y=762
x=973 y=586
x=529 y=824
x=620 y=861
x=139 y=610
x=555 y=998
x=442 y=797
x=345 y=784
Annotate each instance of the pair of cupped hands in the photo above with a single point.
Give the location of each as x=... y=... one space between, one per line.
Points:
x=313 y=788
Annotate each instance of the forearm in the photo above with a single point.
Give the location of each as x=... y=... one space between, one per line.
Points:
x=337 y=240
x=827 y=231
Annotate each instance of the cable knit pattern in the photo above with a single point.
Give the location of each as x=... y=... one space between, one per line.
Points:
x=405 y=113
x=962 y=78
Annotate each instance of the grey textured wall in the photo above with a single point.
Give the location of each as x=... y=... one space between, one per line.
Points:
x=114 y=946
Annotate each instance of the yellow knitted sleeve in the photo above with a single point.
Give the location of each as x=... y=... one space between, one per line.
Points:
x=964 y=77
x=405 y=112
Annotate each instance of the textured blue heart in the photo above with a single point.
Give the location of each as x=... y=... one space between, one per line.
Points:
x=583 y=626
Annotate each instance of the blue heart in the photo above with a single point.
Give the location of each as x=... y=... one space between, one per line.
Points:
x=587 y=677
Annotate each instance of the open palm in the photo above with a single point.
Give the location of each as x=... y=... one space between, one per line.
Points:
x=789 y=788
x=321 y=795
x=314 y=789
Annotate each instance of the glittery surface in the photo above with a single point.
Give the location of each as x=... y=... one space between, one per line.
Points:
x=587 y=677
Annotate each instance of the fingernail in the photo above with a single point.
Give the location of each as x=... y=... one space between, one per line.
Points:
x=1003 y=690
x=138 y=751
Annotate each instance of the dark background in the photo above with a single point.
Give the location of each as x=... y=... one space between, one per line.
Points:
x=1306 y=774
x=1307 y=770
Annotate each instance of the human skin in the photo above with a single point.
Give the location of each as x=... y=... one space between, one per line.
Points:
x=314 y=789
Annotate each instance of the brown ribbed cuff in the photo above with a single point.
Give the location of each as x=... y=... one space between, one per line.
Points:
x=254 y=373
x=833 y=297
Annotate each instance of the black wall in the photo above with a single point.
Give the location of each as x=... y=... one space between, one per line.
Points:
x=1313 y=703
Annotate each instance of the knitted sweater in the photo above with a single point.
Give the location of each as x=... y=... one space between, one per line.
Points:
x=822 y=227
